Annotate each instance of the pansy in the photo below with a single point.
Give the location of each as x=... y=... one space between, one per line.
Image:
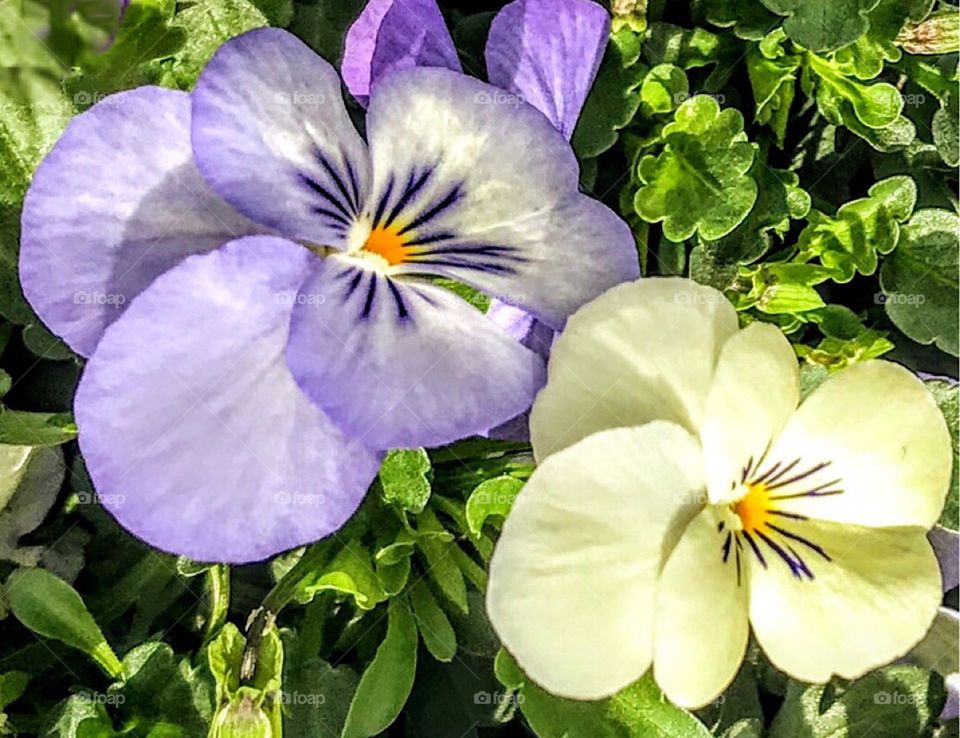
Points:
x=545 y=53
x=685 y=495
x=263 y=294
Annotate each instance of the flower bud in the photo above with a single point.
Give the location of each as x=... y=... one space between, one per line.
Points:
x=242 y=717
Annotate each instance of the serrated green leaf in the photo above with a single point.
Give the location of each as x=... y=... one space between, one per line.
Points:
x=920 y=282
x=145 y=39
x=405 y=479
x=50 y=607
x=386 y=683
x=491 y=497
x=851 y=241
x=664 y=87
x=780 y=199
x=205 y=25
x=773 y=77
x=822 y=25
x=699 y=183
x=748 y=18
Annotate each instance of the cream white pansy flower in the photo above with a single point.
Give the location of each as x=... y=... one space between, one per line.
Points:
x=684 y=495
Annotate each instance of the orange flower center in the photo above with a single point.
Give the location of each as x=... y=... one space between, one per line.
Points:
x=387 y=244
x=753 y=508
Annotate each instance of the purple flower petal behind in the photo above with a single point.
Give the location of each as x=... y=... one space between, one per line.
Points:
x=117 y=202
x=548 y=52
x=401 y=363
x=196 y=436
x=272 y=137
x=391 y=35
x=485 y=191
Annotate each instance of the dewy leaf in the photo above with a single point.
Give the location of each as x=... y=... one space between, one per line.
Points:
x=920 y=279
x=699 y=183
x=850 y=241
x=905 y=700
x=50 y=607
x=822 y=25
x=405 y=479
x=387 y=681
x=81 y=717
x=773 y=75
x=491 y=497
x=868 y=53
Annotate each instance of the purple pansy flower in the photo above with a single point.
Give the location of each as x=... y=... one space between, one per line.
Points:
x=255 y=285
x=543 y=52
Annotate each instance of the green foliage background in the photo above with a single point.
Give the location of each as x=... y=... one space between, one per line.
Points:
x=798 y=154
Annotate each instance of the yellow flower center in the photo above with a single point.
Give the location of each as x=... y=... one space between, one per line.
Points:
x=754 y=508
x=388 y=244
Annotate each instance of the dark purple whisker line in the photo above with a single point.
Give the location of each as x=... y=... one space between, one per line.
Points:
x=325 y=194
x=382 y=204
x=402 y=312
x=371 y=294
x=337 y=180
x=800 y=539
x=428 y=215
x=409 y=193
x=803 y=475
x=756 y=549
x=794 y=568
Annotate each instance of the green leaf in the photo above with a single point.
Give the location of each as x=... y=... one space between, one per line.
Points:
x=687 y=48
x=851 y=241
x=947 y=395
x=154 y=688
x=664 y=88
x=441 y=564
x=919 y=280
x=491 y=497
x=876 y=105
x=779 y=200
x=224 y=655
x=146 y=38
x=50 y=607
x=433 y=623
x=351 y=572
x=19 y=428
x=405 y=479
x=12 y=685
x=81 y=717
x=614 y=98
x=938 y=34
x=315 y=697
x=205 y=25
x=387 y=681
x=822 y=25
x=904 y=700
x=44 y=344
x=699 y=183
x=748 y=18
x=773 y=76
x=638 y=710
